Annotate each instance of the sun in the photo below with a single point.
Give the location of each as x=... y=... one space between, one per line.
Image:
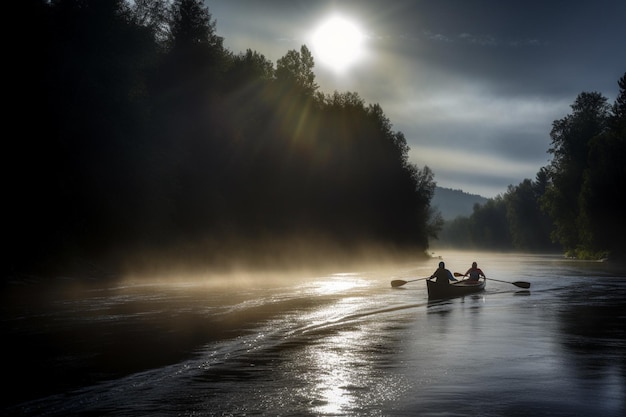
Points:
x=338 y=43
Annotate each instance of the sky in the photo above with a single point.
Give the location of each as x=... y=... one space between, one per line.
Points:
x=474 y=85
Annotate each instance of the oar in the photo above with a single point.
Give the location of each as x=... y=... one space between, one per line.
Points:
x=400 y=282
x=521 y=284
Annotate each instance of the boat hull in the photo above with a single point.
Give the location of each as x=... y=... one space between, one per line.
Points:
x=456 y=289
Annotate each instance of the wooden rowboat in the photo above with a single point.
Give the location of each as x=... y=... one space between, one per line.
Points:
x=456 y=289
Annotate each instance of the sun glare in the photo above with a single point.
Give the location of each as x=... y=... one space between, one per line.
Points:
x=338 y=43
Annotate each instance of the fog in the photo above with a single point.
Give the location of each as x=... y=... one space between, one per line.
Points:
x=242 y=261
x=342 y=342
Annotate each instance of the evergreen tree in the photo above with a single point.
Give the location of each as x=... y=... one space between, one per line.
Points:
x=602 y=199
x=156 y=137
x=571 y=138
x=530 y=227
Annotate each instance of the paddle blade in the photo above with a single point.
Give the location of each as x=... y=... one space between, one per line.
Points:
x=458 y=274
x=521 y=284
x=397 y=282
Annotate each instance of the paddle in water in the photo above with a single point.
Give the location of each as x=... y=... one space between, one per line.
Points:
x=521 y=284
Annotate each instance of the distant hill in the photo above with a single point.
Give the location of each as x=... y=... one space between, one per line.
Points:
x=453 y=203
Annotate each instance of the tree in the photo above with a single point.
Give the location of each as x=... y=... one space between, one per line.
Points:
x=602 y=198
x=190 y=24
x=295 y=70
x=432 y=221
x=571 y=138
x=250 y=68
x=618 y=116
x=156 y=135
x=195 y=54
x=81 y=186
x=529 y=226
x=153 y=15
x=490 y=228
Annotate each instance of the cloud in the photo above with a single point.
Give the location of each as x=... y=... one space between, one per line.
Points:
x=487 y=40
x=464 y=81
x=478 y=172
x=476 y=139
x=474 y=109
x=504 y=130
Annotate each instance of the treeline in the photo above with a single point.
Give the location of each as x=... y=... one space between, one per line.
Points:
x=575 y=204
x=142 y=132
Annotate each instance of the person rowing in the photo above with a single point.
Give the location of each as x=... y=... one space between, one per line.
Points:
x=474 y=272
x=442 y=275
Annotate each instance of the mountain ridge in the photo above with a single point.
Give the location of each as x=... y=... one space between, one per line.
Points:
x=454 y=203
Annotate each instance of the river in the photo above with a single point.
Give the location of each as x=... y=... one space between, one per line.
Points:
x=338 y=343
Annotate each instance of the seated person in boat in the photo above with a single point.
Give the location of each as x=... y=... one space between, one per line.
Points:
x=442 y=275
x=474 y=272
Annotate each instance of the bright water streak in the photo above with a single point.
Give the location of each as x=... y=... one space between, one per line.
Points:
x=346 y=343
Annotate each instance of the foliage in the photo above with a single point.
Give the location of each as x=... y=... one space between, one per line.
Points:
x=158 y=138
x=486 y=228
x=577 y=199
x=601 y=198
x=571 y=137
x=152 y=15
x=295 y=70
x=528 y=224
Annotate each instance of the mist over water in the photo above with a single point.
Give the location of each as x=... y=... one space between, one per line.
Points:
x=336 y=342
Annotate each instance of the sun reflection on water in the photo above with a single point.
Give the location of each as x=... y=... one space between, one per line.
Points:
x=342 y=370
x=338 y=371
x=336 y=283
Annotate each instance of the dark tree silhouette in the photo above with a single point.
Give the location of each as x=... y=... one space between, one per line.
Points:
x=159 y=140
x=577 y=197
x=602 y=199
x=571 y=138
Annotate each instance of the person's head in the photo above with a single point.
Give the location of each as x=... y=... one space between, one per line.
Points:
x=474 y=265
x=442 y=265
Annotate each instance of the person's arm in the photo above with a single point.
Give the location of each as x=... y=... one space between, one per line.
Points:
x=450 y=276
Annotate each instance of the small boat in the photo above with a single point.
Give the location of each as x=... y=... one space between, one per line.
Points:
x=455 y=289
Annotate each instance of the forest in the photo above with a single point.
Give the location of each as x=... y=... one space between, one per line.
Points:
x=575 y=204
x=149 y=142
x=143 y=140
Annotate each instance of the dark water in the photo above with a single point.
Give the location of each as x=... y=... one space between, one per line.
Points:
x=335 y=344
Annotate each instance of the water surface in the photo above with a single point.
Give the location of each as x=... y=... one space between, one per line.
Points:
x=342 y=343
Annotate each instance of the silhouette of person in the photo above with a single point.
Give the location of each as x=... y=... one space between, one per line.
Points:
x=474 y=272
x=442 y=275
